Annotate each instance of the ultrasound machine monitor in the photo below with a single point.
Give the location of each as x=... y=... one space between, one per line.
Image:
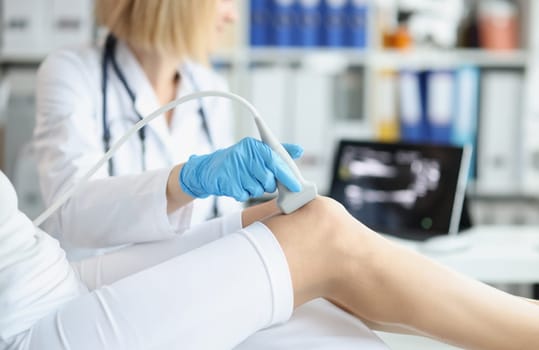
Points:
x=413 y=191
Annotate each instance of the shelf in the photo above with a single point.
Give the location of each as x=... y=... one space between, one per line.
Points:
x=290 y=55
x=22 y=59
x=271 y=54
x=478 y=57
x=516 y=195
x=351 y=56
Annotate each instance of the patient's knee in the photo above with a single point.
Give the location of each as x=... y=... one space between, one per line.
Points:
x=321 y=241
x=326 y=224
x=316 y=225
x=324 y=212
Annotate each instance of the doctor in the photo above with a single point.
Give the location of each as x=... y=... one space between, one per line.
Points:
x=88 y=97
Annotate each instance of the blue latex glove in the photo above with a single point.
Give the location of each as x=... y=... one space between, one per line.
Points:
x=244 y=170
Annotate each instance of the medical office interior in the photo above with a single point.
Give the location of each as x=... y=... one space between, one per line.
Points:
x=463 y=73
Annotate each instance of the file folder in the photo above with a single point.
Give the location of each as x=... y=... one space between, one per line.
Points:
x=283 y=23
x=313 y=107
x=499 y=132
x=274 y=82
x=309 y=22
x=466 y=111
x=357 y=23
x=386 y=121
x=412 y=90
x=259 y=24
x=440 y=105
x=335 y=23
x=530 y=139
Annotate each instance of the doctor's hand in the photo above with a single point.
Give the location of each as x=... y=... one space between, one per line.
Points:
x=244 y=170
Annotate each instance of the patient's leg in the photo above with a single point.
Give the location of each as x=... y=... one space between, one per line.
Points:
x=317 y=324
x=331 y=254
x=211 y=297
x=189 y=299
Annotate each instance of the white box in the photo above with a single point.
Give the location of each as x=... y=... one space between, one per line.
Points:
x=23 y=33
x=71 y=22
x=33 y=28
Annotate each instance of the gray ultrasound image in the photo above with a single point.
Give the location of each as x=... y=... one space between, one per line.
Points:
x=399 y=190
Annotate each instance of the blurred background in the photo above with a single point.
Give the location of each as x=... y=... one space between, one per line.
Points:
x=442 y=71
x=436 y=71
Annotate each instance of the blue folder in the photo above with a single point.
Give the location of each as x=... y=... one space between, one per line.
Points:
x=259 y=23
x=334 y=23
x=309 y=23
x=283 y=22
x=357 y=23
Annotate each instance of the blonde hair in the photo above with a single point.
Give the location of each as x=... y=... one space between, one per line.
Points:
x=183 y=28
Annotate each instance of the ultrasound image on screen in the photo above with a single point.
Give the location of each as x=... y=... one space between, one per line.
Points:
x=401 y=189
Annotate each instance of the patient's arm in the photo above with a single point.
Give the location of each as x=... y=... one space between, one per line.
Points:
x=176 y=198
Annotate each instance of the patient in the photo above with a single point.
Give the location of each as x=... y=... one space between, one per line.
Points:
x=213 y=289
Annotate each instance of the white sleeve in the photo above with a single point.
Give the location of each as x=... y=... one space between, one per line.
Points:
x=106 y=211
x=35 y=277
x=108 y=268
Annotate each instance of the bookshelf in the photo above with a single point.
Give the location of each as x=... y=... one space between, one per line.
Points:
x=349 y=79
x=243 y=63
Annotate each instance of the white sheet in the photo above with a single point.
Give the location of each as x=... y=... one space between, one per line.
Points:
x=316 y=325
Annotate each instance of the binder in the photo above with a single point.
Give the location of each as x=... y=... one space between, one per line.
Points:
x=269 y=93
x=530 y=140
x=440 y=102
x=334 y=23
x=412 y=109
x=309 y=22
x=499 y=132
x=386 y=120
x=357 y=23
x=313 y=106
x=259 y=22
x=530 y=156
x=283 y=22
x=466 y=112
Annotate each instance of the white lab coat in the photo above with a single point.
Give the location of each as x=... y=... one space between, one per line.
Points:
x=129 y=207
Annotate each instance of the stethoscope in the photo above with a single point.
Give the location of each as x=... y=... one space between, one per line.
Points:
x=109 y=56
